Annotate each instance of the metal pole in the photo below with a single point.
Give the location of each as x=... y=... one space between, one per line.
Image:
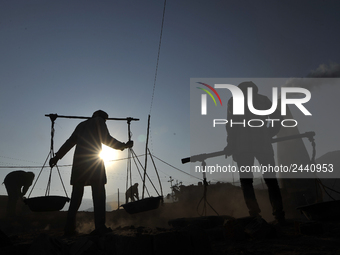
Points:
x=204 y=156
x=118 y=200
x=146 y=155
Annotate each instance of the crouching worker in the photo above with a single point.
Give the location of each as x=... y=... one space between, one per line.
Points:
x=17 y=184
x=88 y=168
x=132 y=193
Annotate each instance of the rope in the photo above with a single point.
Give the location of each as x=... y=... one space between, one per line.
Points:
x=159 y=50
x=50 y=155
x=318 y=180
x=38 y=175
x=139 y=172
x=146 y=174
x=154 y=165
x=48 y=188
x=177 y=168
x=324 y=188
x=62 y=181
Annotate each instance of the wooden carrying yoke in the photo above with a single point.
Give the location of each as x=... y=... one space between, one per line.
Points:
x=201 y=157
x=55 y=116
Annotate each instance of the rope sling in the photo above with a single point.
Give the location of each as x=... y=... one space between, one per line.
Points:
x=144 y=204
x=47 y=202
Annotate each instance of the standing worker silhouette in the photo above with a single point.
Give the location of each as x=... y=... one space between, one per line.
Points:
x=132 y=193
x=88 y=168
x=17 y=184
x=245 y=143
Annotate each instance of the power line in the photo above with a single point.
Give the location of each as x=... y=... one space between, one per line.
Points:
x=120 y=159
x=159 y=50
x=70 y=165
x=18 y=159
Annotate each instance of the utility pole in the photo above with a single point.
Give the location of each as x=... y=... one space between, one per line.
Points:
x=172 y=190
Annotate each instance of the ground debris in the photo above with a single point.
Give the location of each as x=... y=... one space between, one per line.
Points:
x=208 y=235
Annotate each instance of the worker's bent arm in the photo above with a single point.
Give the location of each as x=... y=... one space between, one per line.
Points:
x=24 y=190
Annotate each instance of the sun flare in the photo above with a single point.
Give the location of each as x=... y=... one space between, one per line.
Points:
x=108 y=154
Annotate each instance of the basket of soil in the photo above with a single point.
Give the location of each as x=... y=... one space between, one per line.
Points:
x=143 y=205
x=46 y=203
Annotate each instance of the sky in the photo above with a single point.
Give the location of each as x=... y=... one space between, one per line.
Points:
x=75 y=57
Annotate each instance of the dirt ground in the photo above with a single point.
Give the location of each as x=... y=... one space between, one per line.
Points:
x=150 y=233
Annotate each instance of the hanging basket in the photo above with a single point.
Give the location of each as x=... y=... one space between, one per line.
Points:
x=143 y=205
x=46 y=203
x=323 y=211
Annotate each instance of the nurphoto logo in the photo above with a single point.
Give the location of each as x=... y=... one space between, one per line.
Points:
x=238 y=104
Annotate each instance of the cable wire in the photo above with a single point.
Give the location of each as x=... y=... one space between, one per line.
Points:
x=159 y=51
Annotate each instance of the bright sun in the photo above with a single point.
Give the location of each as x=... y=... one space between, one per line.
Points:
x=108 y=154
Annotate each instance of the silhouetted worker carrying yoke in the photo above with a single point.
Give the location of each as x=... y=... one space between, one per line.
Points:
x=17 y=184
x=245 y=143
x=88 y=168
x=132 y=193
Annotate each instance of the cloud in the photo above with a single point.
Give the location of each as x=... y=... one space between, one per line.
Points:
x=314 y=78
x=326 y=71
